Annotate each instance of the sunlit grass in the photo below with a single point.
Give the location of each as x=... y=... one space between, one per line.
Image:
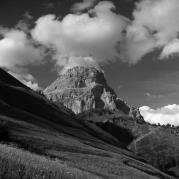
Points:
x=16 y=163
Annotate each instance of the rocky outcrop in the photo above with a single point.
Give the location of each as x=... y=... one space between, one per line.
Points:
x=81 y=89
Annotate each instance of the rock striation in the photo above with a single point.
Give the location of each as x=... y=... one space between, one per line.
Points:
x=82 y=89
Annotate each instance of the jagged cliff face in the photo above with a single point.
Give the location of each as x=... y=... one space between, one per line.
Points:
x=81 y=89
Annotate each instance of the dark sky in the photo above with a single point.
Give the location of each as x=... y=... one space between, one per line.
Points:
x=150 y=82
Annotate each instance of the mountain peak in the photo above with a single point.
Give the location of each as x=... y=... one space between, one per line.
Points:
x=85 y=88
x=80 y=77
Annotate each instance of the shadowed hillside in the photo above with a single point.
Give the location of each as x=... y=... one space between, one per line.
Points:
x=40 y=140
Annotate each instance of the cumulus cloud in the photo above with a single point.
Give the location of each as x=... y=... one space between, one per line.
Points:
x=85 y=4
x=97 y=36
x=17 y=52
x=165 y=115
x=154 y=25
x=103 y=34
x=93 y=34
x=170 y=49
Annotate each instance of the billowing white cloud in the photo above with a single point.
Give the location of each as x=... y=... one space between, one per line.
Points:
x=97 y=36
x=80 y=6
x=170 y=49
x=80 y=61
x=94 y=34
x=155 y=25
x=164 y=115
x=16 y=53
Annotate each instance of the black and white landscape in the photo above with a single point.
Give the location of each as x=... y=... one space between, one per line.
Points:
x=89 y=89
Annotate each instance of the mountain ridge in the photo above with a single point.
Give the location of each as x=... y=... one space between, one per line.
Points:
x=84 y=88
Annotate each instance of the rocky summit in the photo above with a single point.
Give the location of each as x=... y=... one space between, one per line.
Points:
x=82 y=89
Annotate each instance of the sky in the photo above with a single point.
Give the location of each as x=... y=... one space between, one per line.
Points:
x=135 y=42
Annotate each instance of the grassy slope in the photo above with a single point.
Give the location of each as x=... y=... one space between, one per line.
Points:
x=91 y=158
x=16 y=163
x=45 y=142
x=158 y=145
x=160 y=148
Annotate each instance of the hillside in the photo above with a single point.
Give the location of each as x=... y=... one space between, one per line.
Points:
x=86 y=92
x=41 y=140
x=158 y=145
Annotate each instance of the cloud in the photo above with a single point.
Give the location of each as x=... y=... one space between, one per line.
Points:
x=23 y=26
x=27 y=15
x=170 y=49
x=154 y=25
x=106 y=36
x=80 y=61
x=154 y=95
x=25 y=23
x=94 y=34
x=100 y=31
x=17 y=52
x=80 y=6
x=97 y=36
x=165 y=115
x=26 y=79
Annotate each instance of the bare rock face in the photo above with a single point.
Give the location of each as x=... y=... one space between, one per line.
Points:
x=81 y=89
